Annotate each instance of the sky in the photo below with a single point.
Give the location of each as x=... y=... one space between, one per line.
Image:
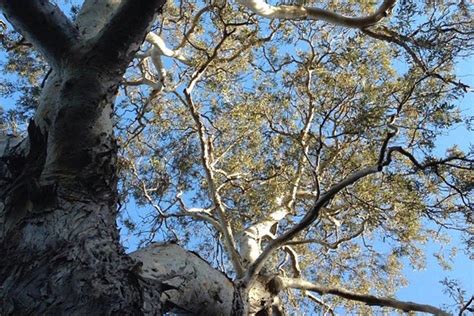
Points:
x=424 y=285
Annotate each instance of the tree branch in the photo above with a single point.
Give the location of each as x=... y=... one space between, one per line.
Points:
x=44 y=25
x=364 y=298
x=391 y=36
x=94 y=15
x=164 y=50
x=307 y=220
x=207 y=159
x=262 y=8
x=358 y=22
x=333 y=245
x=321 y=303
x=251 y=238
x=198 y=213
x=466 y=306
x=123 y=35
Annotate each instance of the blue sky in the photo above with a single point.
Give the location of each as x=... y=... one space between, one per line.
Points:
x=424 y=285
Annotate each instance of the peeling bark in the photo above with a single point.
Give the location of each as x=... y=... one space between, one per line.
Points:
x=60 y=243
x=59 y=240
x=190 y=284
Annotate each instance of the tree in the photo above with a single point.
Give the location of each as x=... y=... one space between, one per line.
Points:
x=300 y=140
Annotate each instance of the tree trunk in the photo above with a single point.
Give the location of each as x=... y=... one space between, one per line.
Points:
x=58 y=237
x=59 y=240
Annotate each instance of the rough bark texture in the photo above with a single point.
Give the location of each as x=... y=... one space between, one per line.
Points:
x=59 y=239
x=190 y=284
x=58 y=236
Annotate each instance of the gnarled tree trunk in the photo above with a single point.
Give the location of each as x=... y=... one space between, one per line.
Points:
x=58 y=239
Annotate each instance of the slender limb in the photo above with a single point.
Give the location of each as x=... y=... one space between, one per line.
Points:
x=207 y=159
x=44 y=25
x=466 y=306
x=321 y=302
x=294 y=260
x=334 y=245
x=198 y=213
x=194 y=23
x=370 y=300
x=206 y=154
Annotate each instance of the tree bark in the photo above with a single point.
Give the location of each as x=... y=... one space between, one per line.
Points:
x=191 y=286
x=58 y=237
x=60 y=243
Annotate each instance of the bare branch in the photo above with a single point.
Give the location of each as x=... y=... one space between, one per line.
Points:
x=297 y=283
x=466 y=306
x=426 y=165
x=320 y=302
x=262 y=8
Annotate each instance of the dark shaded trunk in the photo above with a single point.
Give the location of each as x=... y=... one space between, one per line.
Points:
x=58 y=236
x=59 y=240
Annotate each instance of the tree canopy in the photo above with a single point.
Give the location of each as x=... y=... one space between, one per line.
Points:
x=287 y=139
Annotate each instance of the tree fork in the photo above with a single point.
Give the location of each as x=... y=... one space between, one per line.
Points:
x=64 y=256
